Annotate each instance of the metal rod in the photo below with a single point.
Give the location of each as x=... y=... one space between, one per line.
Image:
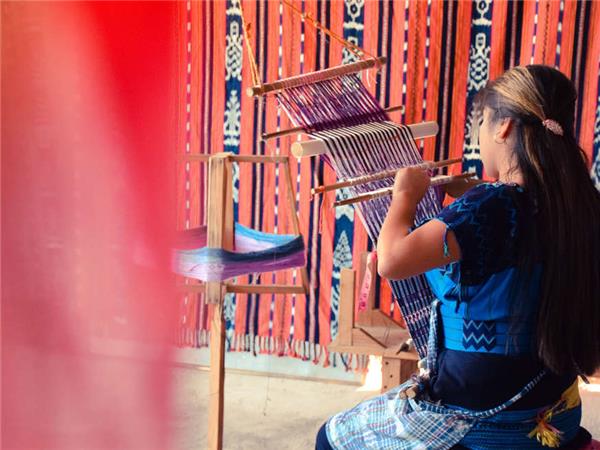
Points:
x=285 y=132
x=382 y=175
x=435 y=181
x=313 y=77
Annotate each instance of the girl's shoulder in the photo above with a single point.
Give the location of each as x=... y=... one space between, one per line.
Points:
x=487 y=203
x=493 y=193
x=488 y=222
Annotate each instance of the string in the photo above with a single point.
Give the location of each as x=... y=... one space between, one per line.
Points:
x=247 y=33
x=333 y=103
x=359 y=52
x=254 y=72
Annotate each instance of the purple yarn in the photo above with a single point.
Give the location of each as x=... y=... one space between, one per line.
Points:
x=341 y=101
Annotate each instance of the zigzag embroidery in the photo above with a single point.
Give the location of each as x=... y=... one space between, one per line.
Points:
x=478 y=334
x=476 y=341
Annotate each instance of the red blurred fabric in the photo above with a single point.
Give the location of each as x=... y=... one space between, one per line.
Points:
x=88 y=122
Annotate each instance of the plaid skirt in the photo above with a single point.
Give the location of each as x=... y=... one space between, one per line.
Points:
x=393 y=421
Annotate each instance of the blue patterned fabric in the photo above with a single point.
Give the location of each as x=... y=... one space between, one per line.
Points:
x=388 y=422
x=487 y=225
x=479 y=334
x=490 y=223
x=488 y=325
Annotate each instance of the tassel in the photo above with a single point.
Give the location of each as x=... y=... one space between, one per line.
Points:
x=546 y=434
x=571 y=396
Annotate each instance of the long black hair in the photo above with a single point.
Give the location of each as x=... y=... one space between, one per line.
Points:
x=567 y=236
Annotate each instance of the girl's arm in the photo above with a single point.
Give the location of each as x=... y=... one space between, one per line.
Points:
x=401 y=254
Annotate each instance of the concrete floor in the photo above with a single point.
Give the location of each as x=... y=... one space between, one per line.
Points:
x=270 y=413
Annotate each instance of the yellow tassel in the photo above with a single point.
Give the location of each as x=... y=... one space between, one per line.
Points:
x=571 y=396
x=546 y=434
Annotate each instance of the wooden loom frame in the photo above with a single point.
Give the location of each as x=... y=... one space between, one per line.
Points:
x=220 y=234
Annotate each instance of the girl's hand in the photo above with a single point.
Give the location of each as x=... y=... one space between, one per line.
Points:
x=412 y=182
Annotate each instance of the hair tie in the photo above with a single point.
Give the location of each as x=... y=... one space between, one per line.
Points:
x=553 y=126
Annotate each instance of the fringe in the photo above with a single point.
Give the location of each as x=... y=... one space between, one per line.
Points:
x=274 y=345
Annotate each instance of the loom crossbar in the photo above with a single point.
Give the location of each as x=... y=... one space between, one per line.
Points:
x=381 y=176
x=281 y=133
x=313 y=77
x=383 y=192
x=315 y=147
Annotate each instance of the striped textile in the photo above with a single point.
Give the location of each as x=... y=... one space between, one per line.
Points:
x=437 y=51
x=254 y=252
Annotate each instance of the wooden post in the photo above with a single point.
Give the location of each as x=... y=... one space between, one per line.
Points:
x=220 y=215
x=346 y=319
x=220 y=234
x=395 y=371
x=390 y=370
x=217 y=378
x=407 y=368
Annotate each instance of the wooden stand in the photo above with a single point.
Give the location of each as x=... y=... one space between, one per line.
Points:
x=373 y=333
x=220 y=229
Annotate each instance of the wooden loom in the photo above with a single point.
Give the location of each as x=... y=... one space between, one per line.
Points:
x=220 y=229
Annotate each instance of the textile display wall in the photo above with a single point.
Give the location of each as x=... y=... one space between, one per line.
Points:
x=439 y=55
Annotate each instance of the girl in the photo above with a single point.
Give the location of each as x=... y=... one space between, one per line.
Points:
x=515 y=267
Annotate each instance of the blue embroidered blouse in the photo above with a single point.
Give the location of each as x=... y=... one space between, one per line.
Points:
x=489 y=305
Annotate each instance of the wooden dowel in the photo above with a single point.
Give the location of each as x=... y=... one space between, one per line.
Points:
x=280 y=133
x=313 y=147
x=254 y=159
x=382 y=175
x=196 y=287
x=313 y=77
x=264 y=289
x=259 y=159
x=195 y=157
x=435 y=181
x=287 y=131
